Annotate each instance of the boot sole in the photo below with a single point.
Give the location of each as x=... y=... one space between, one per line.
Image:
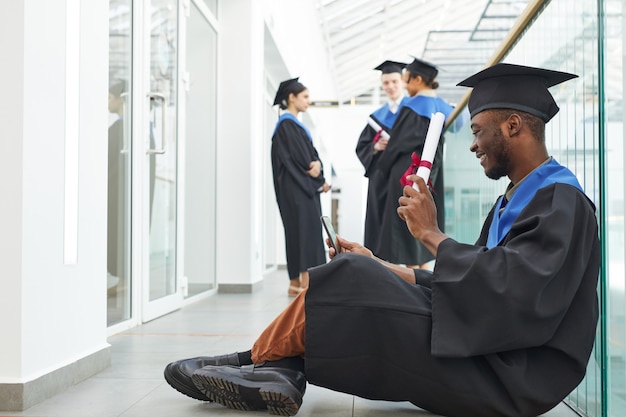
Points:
x=235 y=393
x=194 y=393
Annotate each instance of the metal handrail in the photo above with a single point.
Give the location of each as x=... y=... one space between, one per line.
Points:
x=531 y=11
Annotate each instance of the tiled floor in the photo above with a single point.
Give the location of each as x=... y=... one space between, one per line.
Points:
x=134 y=386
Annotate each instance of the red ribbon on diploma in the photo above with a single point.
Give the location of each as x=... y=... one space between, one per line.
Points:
x=377 y=136
x=417 y=162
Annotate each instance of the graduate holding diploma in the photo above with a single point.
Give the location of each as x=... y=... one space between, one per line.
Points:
x=372 y=143
x=395 y=244
x=501 y=327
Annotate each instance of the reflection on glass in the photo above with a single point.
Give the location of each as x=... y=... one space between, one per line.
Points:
x=565 y=38
x=162 y=153
x=615 y=136
x=119 y=152
x=212 y=6
x=200 y=145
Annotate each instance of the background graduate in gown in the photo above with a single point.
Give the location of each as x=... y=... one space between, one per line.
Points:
x=371 y=145
x=298 y=180
x=408 y=135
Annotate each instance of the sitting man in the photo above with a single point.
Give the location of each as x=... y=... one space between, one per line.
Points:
x=502 y=327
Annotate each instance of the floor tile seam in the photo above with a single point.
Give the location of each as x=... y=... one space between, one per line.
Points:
x=106 y=378
x=139 y=400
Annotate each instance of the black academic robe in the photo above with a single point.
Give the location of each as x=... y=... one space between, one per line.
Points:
x=501 y=332
x=408 y=134
x=377 y=183
x=297 y=195
x=376 y=188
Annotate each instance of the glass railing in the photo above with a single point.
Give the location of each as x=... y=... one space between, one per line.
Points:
x=586 y=38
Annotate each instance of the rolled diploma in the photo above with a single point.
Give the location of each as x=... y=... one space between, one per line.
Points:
x=377 y=128
x=430 y=145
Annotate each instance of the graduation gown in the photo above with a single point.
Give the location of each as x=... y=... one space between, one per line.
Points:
x=506 y=331
x=297 y=194
x=408 y=134
x=377 y=184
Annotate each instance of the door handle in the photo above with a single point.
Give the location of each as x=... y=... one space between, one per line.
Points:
x=161 y=97
x=126 y=124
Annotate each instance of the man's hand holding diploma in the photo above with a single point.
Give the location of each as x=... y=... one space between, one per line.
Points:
x=417 y=209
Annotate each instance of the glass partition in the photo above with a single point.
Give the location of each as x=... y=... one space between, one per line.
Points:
x=565 y=38
x=212 y=5
x=119 y=160
x=586 y=136
x=469 y=194
x=163 y=139
x=612 y=120
x=200 y=153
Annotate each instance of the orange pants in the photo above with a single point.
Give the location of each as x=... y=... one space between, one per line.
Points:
x=284 y=337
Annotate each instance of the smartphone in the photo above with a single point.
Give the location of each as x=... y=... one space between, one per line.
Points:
x=330 y=232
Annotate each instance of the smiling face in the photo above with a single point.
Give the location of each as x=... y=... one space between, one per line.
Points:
x=490 y=145
x=392 y=84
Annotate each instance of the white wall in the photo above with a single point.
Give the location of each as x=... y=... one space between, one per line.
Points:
x=295 y=28
x=339 y=129
x=11 y=113
x=240 y=133
x=53 y=314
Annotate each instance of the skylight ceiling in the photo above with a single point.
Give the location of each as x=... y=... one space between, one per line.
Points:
x=458 y=36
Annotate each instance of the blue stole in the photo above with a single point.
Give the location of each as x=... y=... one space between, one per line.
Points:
x=427 y=106
x=547 y=174
x=385 y=117
x=288 y=115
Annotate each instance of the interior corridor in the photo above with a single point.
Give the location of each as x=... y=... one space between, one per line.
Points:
x=133 y=386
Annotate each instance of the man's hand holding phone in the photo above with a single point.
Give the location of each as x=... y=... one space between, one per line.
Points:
x=338 y=245
x=331 y=239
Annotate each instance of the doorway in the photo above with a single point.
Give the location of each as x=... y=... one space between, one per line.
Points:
x=162 y=152
x=142 y=219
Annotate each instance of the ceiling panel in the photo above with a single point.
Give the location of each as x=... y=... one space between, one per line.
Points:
x=457 y=36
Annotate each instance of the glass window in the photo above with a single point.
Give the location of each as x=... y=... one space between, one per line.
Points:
x=613 y=116
x=200 y=189
x=587 y=136
x=212 y=4
x=119 y=159
x=565 y=38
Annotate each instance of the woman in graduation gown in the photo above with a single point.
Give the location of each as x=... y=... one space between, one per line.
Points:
x=396 y=245
x=371 y=145
x=298 y=180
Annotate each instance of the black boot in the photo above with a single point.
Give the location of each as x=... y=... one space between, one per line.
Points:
x=253 y=387
x=295 y=362
x=178 y=374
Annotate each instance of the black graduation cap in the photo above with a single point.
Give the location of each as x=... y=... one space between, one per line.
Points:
x=284 y=89
x=517 y=87
x=423 y=68
x=389 y=67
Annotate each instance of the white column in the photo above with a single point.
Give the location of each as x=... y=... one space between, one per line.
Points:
x=240 y=131
x=52 y=313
